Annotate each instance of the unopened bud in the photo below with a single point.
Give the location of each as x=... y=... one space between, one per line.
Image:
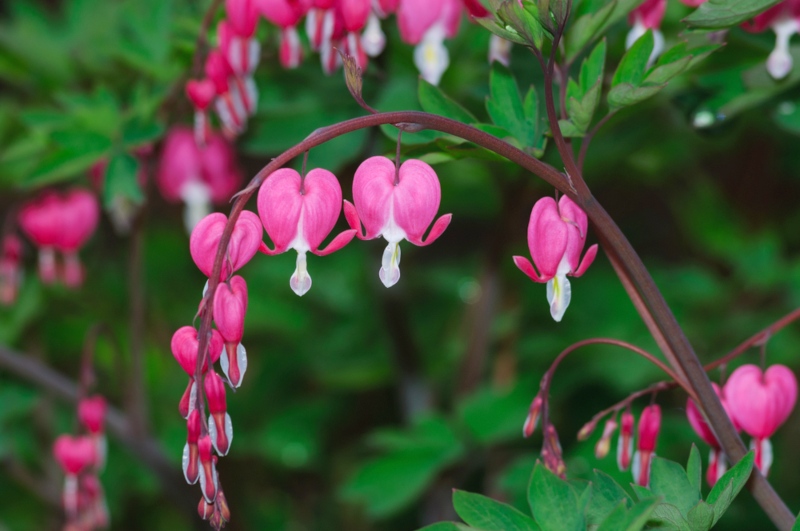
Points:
x=222 y=506
x=533 y=417
x=603 y=446
x=209 y=481
x=587 y=430
x=205 y=510
x=625 y=441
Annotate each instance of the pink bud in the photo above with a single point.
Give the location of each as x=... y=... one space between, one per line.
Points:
x=218 y=70
x=603 y=445
x=209 y=482
x=79 y=215
x=283 y=13
x=698 y=422
x=416 y=17
x=186 y=405
x=476 y=9
x=532 y=419
x=230 y=306
x=587 y=430
x=355 y=13
x=242 y=16
x=650 y=13
x=204 y=509
x=625 y=441
x=74 y=454
x=40 y=219
x=190 y=461
x=649 y=426
x=220 y=427
x=92 y=413
x=556 y=236
x=185 y=344
x=396 y=205
x=244 y=243
x=298 y=213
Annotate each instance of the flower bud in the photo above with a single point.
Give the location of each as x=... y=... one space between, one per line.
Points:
x=190 y=461
x=209 y=481
x=625 y=441
x=533 y=417
x=587 y=430
x=604 y=444
x=220 y=427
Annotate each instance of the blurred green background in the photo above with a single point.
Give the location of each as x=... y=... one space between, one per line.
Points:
x=363 y=407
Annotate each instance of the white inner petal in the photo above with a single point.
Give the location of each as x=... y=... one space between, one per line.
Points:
x=431 y=56
x=301 y=280
x=197 y=197
x=390 y=265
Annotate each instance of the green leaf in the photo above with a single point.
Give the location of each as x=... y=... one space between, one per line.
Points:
x=663 y=73
x=668 y=479
x=570 y=130
x=78 y=152
x=592 y=67
x=434 y=101
x=137 y=133
x=626 y=94
x=668 y=516
x=444 y=526
x=504 y=103
x=633 y=65
x=718 y=14
x=524 y=20
x=492 y=25
x=640 y=514
x=490 y=515
x=590 y=26
x=642 y=493
x=606 y=495
x=701 y=517
x=553 y=502
x=694 y=468
x=121 y=180
x=729 y=485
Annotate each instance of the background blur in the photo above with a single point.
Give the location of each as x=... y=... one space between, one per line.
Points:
x=363 y=407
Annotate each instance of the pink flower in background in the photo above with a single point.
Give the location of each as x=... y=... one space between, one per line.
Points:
x=426 y=24
x=625 y=441
x=286 y=14
x=647 y=16
x=196 y=176
x=784 y=20
x=60 y=223
x=74 y=455
x=717 y=463
x=10 y=268
x=92 y=415
x=398 y=205
x=242 y=61
x=298 y=213
x=760 y=402
x=556 y=236
x=649 y=426
x=228 y=102
x=245 y=242
x=201 y=93
x=603 y=445
x=230 y=306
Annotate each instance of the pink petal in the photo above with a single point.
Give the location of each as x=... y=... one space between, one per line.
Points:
x=416 y=198
x=351 y=215
x=588 y=259
x=650 y=12
x=577 y=225
x=244 y=243
x=526 y=267
x=74 y=453
x=283 y=13
x=373 y=184
x=185 y=344
x=354 y=13
x=218 y=168
x=415 y=17
x=279 y=207
x=79 y=215
x=342 y=239
x=761 y=403
x=242 y=16
x=322 y=203
x=437 y=230
x=230 y=306
x=201 y=93
x=547 y=236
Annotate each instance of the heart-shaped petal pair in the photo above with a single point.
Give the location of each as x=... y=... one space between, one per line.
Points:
x=244 y=243
x=185 y=345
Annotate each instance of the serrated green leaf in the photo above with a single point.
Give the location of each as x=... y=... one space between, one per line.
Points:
x=662 y=74
x=626 y=94
x=606 y=495
x=434 y=101
x=694 y=468
x=490 y=515
x=729 y=485
x=633 y=65
x=553 y=502
x=701 y=517
x=504 y=103
x=668 y=479
x=121 y=180
x=491 y=25
x=718 y=14
x=593 y=66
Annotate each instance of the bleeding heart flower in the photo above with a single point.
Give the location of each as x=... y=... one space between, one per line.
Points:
x=74 y=454
x=185 y=346
x=784 y=20
x=298 y=213
x=230 y=306
x=760 y=403
x=242 y=16
x=92 y=413
x=244 y=243
x=286 y=14
x=625 y=441
x=398 y=205
x=649 y=426
x=190 y=460
x=209 y=481
x=717 y=463
x=556 y=236
x=426 y=24
x=220 y=428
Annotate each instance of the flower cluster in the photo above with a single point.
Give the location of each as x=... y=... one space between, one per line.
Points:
x=297 y=212
x=82 y=458
x=60 y=223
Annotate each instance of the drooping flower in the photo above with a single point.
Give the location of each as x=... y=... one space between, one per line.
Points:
x=717 y=463
x=209 y=480
x=228 y=102
x=625 y=440
x=197 y=176
x=556 y=236
x=230 y=306
x=245 y=242
x=74 y=455
x=647 y=16
x=649 y=426
x=92 y=414
x=784 y=20
x=241 y=54
x=760 y=402
x=298 y=213
x=426 y=24
x=220 y=427
x=190 y=461
x=185 y=346
x=534 y=411
x=286 y=14
x=201 y=93
x=398 y=205
x=603 y=445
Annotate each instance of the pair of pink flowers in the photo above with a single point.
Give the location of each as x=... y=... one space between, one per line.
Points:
x=757 y=402
x=641 y=459
x=60 y=223
x=299 y=212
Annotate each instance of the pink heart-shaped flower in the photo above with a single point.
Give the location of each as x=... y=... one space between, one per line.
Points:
x=185 y=345
x=74 y=454
x=201 y=93
x=230 y=306
x=79 y=215
x=761 y=402
x=245 y=242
